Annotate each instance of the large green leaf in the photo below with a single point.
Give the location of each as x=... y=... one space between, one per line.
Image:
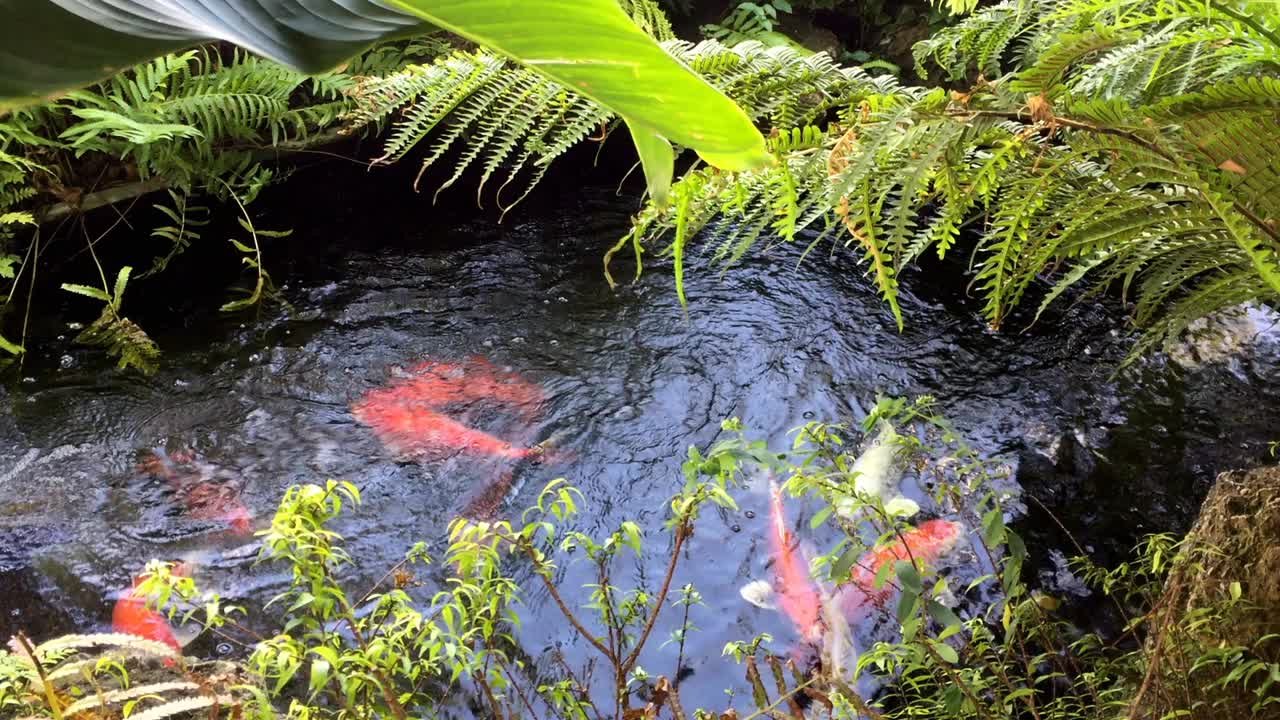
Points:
x=49 y=46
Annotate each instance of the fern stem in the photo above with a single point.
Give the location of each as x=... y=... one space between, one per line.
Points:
x=1254 y=24
x=55 y=707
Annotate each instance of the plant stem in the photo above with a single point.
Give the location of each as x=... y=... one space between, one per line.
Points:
x=683 y=531
x=545 y=573
x=51 y=697
x=384 y=683
x=684 y=631
x=1247 y=20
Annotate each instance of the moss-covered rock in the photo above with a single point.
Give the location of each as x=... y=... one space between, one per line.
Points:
x=1215 y=633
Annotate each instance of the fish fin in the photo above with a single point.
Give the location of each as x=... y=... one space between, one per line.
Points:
x=759 y=593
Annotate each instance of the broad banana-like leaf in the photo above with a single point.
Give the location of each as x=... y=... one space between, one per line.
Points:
x=50 y=46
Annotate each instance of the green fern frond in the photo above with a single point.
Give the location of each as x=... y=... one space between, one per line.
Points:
x=122 y=641
x=1113 y=185
x=114 y=697
x=649 y=17
x=1051 y=67
x=516 y=123
x=979 y=42
x=123 y=340
x=183 y=707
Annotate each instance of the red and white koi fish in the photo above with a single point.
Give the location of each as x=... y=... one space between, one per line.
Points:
x=923 y=544
x=132 y=616
x=817 y=614
x=797 y=594
x=202 y=496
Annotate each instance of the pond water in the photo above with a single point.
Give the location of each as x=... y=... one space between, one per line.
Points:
x=629 y=380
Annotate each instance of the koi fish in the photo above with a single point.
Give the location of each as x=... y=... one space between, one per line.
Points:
x=877 y=473
x=132 y=616
x=410 y=430
x=475 y=379
x=215 y=501
x=408 y=415
x=805 y=603
x=797 y=595
x=201 y=498
x=924 y=544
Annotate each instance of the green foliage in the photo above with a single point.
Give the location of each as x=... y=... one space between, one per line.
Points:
x=194 y=124
x=1016 y=656
x=600 y=51
x=387 y=652
x=87 y=675
x=398 y=651
x=1121 y=151
x=748 y=21
x=195 y=119
x=112 y=331
x=513 y=123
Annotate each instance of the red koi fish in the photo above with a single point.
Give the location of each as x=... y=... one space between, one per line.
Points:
x=201 y=498
x=132 y=616
x=475 y=379
x=410 y=430
x=214 y=501
x=408 y=415
x=925 y=544
x=796 y=593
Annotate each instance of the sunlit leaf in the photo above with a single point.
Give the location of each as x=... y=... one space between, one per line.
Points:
x=87 y=291
x=591 y=46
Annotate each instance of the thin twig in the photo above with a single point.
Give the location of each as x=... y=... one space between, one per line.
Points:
x=673 y=701
x=515 y=684
x=560 y=601
x=682 y=533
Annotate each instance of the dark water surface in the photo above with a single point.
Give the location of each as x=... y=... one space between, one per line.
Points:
x=630 y=383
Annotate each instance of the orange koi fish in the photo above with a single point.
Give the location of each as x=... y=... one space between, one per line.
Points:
x=408 y=415
x=214 y=501
x=132 y=616
x=475 y=379
x=925 y=544
x=201 y=498
x=410 y=430
x=797 y=595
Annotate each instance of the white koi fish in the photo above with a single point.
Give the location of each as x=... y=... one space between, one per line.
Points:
x=877 y=473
